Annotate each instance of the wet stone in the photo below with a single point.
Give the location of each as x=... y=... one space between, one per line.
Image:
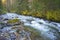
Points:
x=2 y=38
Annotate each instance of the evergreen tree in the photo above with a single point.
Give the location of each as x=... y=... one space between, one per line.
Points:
x=1 y=7
x=22 y=5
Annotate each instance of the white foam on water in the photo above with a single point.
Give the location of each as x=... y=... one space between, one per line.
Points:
x=35 y=23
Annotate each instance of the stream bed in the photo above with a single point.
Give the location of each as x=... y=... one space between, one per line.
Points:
x=48 y=30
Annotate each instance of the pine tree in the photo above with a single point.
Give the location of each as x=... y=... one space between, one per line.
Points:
x=0 y=6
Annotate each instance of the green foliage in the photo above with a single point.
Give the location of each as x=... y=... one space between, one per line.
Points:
x=47 y=9
x=22 y=5
x=0 y=7
x=54 y=15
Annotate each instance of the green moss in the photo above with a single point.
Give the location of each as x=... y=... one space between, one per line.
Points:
x=13 y=21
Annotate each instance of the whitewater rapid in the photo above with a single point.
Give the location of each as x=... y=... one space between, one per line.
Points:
x=49 y=30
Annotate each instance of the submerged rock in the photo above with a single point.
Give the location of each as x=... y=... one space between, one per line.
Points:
x=16 y=32
x=2 y=38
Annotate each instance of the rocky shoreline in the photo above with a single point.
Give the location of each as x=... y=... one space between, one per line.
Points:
x=16 y=31
x=13 y=32
x=19 y=27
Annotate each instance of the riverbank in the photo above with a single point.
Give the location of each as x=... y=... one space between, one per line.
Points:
x=18 y=31
x=49 y=15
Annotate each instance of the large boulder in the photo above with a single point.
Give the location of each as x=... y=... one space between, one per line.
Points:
x=14 y=22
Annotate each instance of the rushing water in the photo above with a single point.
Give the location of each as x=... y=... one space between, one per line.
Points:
x=49 y=30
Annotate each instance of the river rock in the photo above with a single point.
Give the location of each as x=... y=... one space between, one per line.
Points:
x=2 y=38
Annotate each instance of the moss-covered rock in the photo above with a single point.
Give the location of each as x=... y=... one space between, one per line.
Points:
x=13 y=22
